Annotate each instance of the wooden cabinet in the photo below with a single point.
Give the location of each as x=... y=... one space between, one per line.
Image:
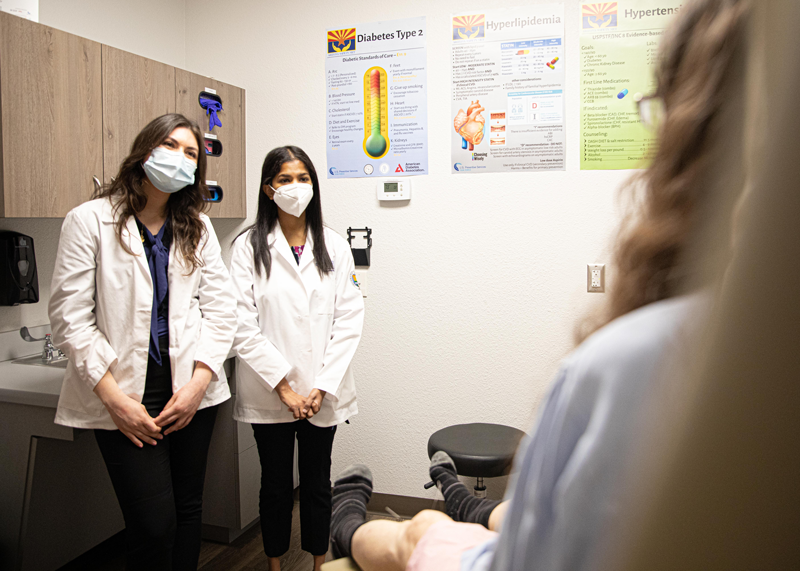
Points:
x=136 y=90
x=71 y=108
x=51 y=99
x=228 y=169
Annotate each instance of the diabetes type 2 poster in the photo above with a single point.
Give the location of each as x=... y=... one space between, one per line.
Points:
x=507 y=94
x=376 y=99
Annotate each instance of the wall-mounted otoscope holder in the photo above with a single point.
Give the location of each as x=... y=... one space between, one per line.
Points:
x=214 y=192
x=360 y=255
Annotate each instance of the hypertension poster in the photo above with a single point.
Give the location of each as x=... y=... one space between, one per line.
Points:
x=619 y=44
x=507 y=90
x=377 y=92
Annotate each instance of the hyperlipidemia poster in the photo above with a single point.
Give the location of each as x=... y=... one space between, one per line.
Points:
x=377 y=93
x=507 y=97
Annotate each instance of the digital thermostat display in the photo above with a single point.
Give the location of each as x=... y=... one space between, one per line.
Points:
x=394 y=189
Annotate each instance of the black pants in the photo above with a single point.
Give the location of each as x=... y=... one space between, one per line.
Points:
x=276 y=452
x=160 y=488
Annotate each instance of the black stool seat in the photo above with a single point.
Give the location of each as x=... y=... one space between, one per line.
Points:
x=478 y=449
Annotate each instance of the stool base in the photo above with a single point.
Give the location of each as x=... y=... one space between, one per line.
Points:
x=479 y=491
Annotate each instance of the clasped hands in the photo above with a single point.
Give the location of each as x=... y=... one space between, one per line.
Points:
x=301 y=407
x=133 y=420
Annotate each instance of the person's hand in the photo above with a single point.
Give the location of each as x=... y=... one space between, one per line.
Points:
x=291 y=399
x=313 y=402
x=181 y=408
x=129 y=416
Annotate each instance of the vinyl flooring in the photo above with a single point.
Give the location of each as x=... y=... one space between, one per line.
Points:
x=244 y=554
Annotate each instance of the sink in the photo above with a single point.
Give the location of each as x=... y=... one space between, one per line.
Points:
x=37 y=360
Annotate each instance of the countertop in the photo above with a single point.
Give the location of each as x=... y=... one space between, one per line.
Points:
x=36 y=385
x=30 y=384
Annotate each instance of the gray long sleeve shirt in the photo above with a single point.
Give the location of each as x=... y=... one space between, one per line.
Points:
x=568 y=482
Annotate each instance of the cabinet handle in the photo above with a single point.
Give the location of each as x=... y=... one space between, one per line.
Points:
x=97 y=185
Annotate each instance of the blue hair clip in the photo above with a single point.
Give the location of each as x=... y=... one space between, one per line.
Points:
x=212 y=107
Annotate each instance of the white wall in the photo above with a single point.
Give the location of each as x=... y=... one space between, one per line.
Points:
x=155 y=29
x=151 y=28
x=475 y=286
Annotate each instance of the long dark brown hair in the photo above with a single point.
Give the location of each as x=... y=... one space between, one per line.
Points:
x=664 y=202
x=183 y=207
x=267 y=216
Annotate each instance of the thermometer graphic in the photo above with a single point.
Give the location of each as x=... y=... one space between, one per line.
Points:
x=376 y=141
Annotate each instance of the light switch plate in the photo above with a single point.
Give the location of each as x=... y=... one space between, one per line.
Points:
x=596 y=278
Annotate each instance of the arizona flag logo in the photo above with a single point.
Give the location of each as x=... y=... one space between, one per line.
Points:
x=469 y=27
x=602 y=15
x=342 y=41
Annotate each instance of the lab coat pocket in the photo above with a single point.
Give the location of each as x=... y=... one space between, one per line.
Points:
x=252 y=392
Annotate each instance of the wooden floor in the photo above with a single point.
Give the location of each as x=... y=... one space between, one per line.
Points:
x=244 y=554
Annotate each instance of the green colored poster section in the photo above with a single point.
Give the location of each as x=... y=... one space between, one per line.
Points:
x=619 y=50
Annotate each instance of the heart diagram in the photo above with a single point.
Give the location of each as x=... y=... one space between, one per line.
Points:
x=470 y=125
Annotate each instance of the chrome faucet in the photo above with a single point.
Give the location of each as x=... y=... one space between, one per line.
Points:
x=49 y=352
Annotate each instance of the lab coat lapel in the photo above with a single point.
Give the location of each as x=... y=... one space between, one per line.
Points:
x=308 y=254
x=136 y=245
x=282 y=246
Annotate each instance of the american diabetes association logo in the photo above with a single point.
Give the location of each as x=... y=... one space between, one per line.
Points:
x=602 y=15
x=342 y=41
x=469 y=27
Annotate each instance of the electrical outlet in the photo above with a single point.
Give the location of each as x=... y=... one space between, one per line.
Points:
x=596 y=278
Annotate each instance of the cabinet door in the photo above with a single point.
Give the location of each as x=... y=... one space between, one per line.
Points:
x=52 y=141
x=228 y=169
x=136 y=90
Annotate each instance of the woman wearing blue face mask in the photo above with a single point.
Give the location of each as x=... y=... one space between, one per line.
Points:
x=142 y=305
x=300 y=315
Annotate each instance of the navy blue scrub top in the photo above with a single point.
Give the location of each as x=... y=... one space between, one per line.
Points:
x=156 y=248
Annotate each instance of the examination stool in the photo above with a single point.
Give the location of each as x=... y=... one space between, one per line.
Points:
x=478 y=450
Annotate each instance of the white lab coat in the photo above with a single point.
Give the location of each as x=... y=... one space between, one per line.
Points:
x=100 y=309
x=295 y=325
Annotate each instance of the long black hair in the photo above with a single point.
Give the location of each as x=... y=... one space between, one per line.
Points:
x=267 y=216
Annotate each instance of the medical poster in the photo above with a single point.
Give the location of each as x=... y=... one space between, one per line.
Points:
x=619 y=50
x=507 y=94
x=28 y=9
x=377 y=94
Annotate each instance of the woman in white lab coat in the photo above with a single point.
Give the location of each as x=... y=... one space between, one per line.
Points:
x=300 y=314
x=142 y=305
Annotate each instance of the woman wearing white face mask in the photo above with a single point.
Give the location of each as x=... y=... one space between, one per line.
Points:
x=300 y=315
x=141 y=303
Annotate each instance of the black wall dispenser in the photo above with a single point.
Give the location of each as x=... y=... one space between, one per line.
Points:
x=360 y=255
x=19 y=281
x=213 y=147
x=214 y=192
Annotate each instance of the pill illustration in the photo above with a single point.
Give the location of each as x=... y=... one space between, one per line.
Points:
x=622 y=94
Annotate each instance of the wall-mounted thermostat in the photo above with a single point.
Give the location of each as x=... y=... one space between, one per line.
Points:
x=394 y=189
